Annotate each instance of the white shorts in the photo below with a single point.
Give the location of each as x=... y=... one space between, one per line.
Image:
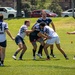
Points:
x=53 y=40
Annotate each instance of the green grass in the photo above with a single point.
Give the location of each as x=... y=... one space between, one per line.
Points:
x=55 y=66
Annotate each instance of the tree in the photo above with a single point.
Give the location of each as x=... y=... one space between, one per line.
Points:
x=73 y=2
x=19 y=14
x=42 y=4
x=25 y=8
x=33 y=2
x=55 y=7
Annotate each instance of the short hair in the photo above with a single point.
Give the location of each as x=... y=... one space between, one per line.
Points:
x=42 y=24
x=26 y=21
x=43 y=11
x=1 y=16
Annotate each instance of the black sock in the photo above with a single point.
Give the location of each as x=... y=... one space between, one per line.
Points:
x=2 y=61
x=51 y=51
x=21 y=55
x=48 y=57
x=34 y=51
x=16 y=53
x=65 y=55
x=40 y=49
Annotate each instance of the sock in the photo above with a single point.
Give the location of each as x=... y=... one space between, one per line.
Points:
x=21 y=55
x=34 y=51
x=40 y=49
x=16 y=53
x=48 y=57
x=51 y=51
x=2 y=61
x=65 y=55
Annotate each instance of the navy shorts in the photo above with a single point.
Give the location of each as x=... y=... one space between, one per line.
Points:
x=3 y=44
x=18 y=39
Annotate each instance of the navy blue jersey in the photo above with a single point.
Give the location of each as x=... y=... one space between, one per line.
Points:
x=33 y=36
x=47 y=20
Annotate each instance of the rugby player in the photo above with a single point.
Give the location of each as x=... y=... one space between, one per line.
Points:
x=3 y=43
x=54 y=39
x=48 y=21
x=23 y=31
x=36 y=36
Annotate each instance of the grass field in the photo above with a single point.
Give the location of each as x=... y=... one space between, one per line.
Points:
x=55 y=66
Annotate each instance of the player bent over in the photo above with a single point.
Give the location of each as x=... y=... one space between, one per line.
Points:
x=3 y=42
x=36 y=36
x=54 y=39
x=37 y=27
x=19 y=39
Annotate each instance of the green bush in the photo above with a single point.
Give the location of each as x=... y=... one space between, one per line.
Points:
x=55 y=7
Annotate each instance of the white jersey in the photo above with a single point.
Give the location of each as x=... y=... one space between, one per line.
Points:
x=21 y=32
x=36 y=26
x=3 y=27
x=50 y=31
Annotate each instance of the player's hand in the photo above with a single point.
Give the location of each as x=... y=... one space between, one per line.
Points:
x=68 y=32
x=45 y=39
x=13 y=38
x=48 y=37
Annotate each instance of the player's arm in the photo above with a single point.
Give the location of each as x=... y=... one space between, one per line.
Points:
x=71 y=32
x=53 y=26
x=8 y=32
x=42 y=35
x=28 y=32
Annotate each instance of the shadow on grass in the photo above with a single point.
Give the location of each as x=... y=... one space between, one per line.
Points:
x=39 y=59
x=42 y=66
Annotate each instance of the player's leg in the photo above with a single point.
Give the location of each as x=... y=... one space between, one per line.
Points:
x=3 y=49
x=46 y=51
x=18 y=41
x=41 y=47
x=20 y=47
x=61 y=50
x=23 y=51
x=51 y=48
x=34 y=49
x=2 y=55
x=57 y=41
x=40 y=50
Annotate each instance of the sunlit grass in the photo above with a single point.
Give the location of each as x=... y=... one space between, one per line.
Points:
x=55 y=66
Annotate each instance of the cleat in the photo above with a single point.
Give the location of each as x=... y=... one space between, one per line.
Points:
x=74 y=58
x=47 y=58
x=20 y=59
x=67 y=58
x=2 y=65
x=34 y=58
x=39 y=55
x=52 y=55
x=14 y=57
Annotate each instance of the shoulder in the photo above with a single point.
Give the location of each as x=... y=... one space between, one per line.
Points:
x=46 y=26
x=4 y=23
x=24 y=27
x=39 y=19
x=48 y=18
